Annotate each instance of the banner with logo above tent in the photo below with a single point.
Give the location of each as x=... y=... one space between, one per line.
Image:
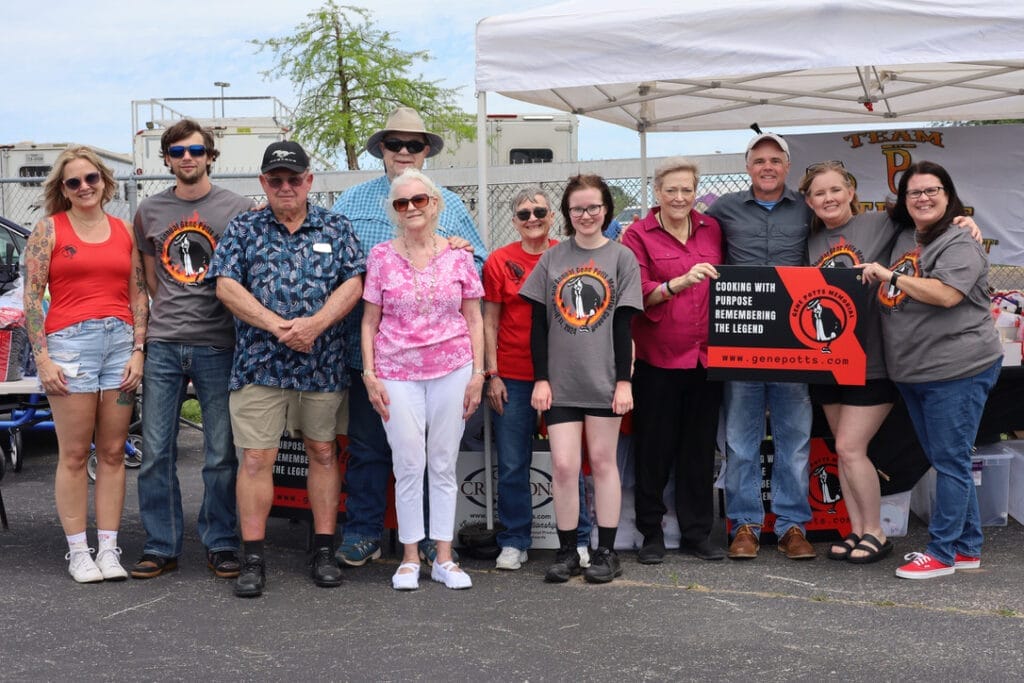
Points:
x=985 y=162
x=787 y=324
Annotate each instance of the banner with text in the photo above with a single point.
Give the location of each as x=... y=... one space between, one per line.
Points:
x=787 y=324
x=985 y=162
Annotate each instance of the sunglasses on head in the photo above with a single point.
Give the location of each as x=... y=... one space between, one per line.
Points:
x=396 y=145
x=832 y=163
x=178 y=151
x=418 y=201
x=91 y=179
x=538 y=212
x=276 y=182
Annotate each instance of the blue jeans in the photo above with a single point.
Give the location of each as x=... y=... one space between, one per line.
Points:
x=790 y=409
x=169 y=366
x=513 y=435
x=369 y=466
x=946 y=417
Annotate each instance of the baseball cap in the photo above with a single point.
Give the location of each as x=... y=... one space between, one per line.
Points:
x=777 y=139
x=285 y=154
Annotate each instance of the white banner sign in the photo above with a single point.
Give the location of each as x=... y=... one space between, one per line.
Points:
x=985 y=162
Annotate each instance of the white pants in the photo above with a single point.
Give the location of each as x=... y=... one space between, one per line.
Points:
x=424 y=430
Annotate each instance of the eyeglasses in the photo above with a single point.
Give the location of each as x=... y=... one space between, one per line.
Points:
x=396 y=145
x=927 y=192
x=825 y=164
x=91 y=179
x=418 y=201
x=178 y=151
x=578 y=211
x=538 y=212
x=276 y=182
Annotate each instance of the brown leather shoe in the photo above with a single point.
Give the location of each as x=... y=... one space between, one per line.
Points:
x=744 y=544
x=795 y=545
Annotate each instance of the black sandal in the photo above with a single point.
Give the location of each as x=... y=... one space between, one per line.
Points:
x=874 y=548
x=850 y=542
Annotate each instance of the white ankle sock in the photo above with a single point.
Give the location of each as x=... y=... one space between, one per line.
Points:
x=77 y=542
x=107 y=539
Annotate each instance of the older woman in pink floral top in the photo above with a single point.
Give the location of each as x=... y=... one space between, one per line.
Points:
x=422 y=343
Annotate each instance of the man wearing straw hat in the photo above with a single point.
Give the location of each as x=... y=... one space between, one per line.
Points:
x=402 y=143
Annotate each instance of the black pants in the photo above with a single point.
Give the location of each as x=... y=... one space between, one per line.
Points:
x=675 y=420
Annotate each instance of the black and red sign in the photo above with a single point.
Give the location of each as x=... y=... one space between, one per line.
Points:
x=787 y=324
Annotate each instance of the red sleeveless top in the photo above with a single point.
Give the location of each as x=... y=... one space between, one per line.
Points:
x=88 y=281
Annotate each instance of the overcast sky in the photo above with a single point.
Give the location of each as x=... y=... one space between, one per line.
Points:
x=72 y=69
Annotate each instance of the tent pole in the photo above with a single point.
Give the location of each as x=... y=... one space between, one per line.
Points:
x=643 y=171
x=483 y=221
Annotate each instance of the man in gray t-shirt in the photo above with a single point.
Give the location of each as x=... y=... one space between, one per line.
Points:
x=190 y=338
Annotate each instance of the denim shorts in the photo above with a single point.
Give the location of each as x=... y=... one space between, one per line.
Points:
x=92 y=353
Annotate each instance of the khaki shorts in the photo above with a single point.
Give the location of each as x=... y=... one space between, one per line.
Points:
x=259 y=414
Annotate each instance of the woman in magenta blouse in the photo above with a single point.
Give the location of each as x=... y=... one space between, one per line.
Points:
x=675 y=416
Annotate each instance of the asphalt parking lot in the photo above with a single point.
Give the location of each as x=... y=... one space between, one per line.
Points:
x=769 y=619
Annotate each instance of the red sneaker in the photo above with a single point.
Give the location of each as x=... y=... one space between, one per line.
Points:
x=966 y=562
x=923 y=566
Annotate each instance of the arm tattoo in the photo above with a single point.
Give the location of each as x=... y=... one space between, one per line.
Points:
x=37 y=275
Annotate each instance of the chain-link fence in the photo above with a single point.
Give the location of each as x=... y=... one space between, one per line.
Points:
x=21 y=198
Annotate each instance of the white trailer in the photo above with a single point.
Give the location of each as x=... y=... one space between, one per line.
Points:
x=24 y=166
x=241 y=140
x=517 y=139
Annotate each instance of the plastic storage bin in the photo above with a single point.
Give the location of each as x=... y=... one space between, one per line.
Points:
x=991 y=467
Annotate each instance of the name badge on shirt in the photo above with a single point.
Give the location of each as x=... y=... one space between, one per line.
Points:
x=322 y=248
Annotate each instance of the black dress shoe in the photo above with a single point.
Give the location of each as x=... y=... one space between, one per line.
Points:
x=325 y=569
x=702 y=550
x=652 y=551
x=252 y=578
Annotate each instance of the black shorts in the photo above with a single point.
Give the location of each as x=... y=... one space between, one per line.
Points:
x=559 y=414
x=874 y=393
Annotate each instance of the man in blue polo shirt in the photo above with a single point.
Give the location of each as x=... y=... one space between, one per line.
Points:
x=403 y=143
x=289 y=273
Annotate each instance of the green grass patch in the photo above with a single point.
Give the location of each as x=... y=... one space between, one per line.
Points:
x=191 y=412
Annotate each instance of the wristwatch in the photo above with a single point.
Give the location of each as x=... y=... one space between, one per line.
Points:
x=141 y=348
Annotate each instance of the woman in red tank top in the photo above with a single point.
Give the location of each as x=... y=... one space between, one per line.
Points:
x=88 y=350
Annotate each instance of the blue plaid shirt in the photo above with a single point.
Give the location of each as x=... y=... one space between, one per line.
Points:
x=364 y=205
x=292 y=275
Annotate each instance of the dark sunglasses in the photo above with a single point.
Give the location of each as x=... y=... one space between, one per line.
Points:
x=91 y=179
x=418 y=201
x=831 y=163
x=538 y=212
x=276 y=182
x=396 y=145
x=178 y=151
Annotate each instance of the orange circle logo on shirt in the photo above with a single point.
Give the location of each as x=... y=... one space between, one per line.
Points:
x=582 y=297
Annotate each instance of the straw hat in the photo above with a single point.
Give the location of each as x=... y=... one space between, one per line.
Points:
x=404 y=120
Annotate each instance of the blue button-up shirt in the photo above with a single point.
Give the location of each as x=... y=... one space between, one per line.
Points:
x=291 y=274
x=364 y=205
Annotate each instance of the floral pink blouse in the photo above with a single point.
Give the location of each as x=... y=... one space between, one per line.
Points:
x=422 y=333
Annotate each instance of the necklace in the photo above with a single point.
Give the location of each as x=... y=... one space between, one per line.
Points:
x=424 y=300
x=87 y=223
x=689 y=228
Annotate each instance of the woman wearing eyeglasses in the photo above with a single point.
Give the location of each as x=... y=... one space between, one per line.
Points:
x=584 y=292
x=676 y=416
x=423 y=353
x=88 y=350
x=943 y=352
x=507 y=320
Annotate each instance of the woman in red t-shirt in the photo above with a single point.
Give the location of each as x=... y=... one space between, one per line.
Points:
x=89 y=350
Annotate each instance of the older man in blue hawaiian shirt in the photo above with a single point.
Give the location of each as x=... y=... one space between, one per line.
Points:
x=289 y=273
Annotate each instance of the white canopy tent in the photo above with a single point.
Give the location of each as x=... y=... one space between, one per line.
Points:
x=658 y=66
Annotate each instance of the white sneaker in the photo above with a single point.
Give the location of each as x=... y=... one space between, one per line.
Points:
x=109 y=562
x=450 y=575
x=82 y=568
x=584 y=552
x=510 y=558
